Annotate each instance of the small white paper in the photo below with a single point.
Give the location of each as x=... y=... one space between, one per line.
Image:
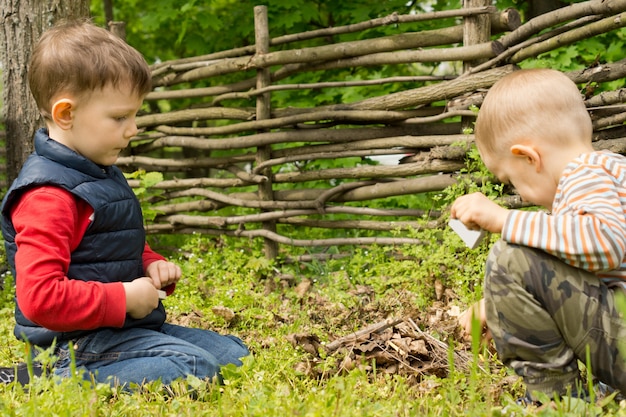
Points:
x=470 y=237
x=162 y=294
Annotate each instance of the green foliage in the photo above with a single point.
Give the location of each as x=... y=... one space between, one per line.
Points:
x=145 y=193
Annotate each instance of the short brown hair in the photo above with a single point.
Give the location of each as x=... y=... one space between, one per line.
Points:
x=532 y=103
x=76 y=56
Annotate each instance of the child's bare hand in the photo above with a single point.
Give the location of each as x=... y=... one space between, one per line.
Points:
x=141 y=297
x=476 y=311
x=476 y=211
x=163 y=273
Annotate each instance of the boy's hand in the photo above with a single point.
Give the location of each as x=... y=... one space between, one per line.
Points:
x=476 y=211
x=141 y=297
x=163 y=273
x=477 y=311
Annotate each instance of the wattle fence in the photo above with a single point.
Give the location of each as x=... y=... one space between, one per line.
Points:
x=233 y=164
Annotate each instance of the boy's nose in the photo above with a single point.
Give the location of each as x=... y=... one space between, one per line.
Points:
x=131 y=130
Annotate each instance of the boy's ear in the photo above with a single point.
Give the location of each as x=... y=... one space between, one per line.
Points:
x=63 y=113
x=529 y=152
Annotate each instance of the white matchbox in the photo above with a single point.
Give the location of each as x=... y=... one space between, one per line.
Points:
x=471 y=238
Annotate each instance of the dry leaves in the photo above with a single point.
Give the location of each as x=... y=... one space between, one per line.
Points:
x=392 y=346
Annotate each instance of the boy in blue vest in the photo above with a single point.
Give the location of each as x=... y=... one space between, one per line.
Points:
x=73 y=228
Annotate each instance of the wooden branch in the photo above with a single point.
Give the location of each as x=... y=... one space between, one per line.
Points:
x=329 y=84
x=203 y=205
x=220 y=222
x=320 y=135
x=379 y=190
x=394 y=19
x=609 y=134
x=320 y=242
x=234 y=201
x=606 y=98
x=363 y=333
x=193 y=182
x=431 y=93
x=341 y=189
x=383 y=146
x=203 y=91
x=402 y=187
x=346 y=116
x=617 y=119
x=602 y=26
x=461 y=53
x=600 y=73
x=354 y=224
x=245 y=176
x=564 y=14
x=597 y=113
x=377 y=171
x=512 y=50
x=180 y=116
x=324 y=155
x=442 y=116
x=177 y=164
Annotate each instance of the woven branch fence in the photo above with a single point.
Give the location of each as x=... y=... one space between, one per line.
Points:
x=249 y=170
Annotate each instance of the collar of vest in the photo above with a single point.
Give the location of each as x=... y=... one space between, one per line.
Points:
x=55 y=151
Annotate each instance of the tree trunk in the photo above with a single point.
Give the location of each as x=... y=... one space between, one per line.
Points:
x=21 y=25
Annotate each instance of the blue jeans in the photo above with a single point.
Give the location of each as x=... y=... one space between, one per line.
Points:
x=136 y=355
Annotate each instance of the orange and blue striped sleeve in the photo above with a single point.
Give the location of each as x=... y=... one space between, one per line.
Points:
x=587 y=227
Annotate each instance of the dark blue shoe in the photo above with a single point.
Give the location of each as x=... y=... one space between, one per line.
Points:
x=19 y=373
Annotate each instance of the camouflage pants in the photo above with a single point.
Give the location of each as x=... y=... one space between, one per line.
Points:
x=543 y=314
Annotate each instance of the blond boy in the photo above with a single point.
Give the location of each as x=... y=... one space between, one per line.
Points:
x=552 y=281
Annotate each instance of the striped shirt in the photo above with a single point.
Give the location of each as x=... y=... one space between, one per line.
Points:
x=587 y=226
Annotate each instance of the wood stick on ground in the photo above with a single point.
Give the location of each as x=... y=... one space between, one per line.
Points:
x=354 y=337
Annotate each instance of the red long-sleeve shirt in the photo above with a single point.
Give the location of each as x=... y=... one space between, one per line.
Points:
x=50 y=223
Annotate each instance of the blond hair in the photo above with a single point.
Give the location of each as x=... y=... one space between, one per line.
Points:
x=77 y=57
x=531 y=104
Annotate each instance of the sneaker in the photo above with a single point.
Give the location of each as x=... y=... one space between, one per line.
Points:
x=19 y=373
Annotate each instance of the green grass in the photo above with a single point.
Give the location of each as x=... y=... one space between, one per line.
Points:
x=268 y=308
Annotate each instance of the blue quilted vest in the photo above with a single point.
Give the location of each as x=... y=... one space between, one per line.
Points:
x=112 y=247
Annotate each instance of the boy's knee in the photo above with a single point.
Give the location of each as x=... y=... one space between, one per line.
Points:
x=236 y=351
